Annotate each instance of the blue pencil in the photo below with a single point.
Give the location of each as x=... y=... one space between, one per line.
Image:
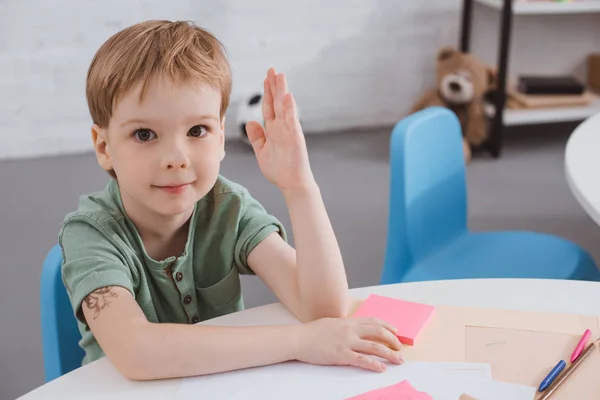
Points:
x=552 y=375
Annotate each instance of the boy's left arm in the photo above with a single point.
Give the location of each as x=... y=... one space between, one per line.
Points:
x=310 y=280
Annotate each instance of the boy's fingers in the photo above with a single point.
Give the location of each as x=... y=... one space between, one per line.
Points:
x=280 y=91
x=363 y=361
x=267 y=104
x=256 y=135
x=289 y=105
x=291 y=114
x=271 y=77
x=379 y=322
x=379 y=350
x=380 y=334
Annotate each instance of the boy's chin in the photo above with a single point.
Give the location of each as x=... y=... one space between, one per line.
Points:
x=173 y=209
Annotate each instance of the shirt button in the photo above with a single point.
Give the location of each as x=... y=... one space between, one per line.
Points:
x=179 y=276
x=195 y=320
x=187 y=299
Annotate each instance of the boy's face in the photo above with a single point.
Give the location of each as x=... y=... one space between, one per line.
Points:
x=165 y=150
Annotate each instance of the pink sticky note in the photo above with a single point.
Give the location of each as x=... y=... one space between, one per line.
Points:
x=410 y=318
x=399 y=391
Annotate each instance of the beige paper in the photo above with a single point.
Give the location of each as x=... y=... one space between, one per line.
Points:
x=533 y=321
x=526 y=357
x=521 y=346
x=442 y=339
x=466 y=397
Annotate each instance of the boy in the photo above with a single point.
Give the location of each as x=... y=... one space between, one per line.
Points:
x=162 y=247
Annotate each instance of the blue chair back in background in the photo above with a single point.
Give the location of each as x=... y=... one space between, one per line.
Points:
x=428 y=204
x=60 y=334
x=428 y=236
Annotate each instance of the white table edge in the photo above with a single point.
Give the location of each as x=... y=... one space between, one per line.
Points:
x=580 y=295
x=583 y=200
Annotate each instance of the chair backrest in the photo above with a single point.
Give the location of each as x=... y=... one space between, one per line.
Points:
x=428 y=199
x=60 y=334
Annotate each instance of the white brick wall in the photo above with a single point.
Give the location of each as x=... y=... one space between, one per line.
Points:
x=350 y=63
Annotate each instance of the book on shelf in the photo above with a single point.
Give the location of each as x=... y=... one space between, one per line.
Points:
x=547 y=91
x=550 y=85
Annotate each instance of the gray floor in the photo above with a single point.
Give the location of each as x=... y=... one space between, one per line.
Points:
x=352 y=170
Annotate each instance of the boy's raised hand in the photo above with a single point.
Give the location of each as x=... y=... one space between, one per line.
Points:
x=280 y=147
x=348 y=341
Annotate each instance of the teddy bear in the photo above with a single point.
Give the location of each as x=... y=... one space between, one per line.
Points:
x=461 y=86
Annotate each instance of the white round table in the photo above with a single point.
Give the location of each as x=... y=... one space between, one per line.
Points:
x=582 y=165
x=99 y=380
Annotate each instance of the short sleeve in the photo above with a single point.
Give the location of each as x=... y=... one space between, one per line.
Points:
x=255 y=224
x=90 y=261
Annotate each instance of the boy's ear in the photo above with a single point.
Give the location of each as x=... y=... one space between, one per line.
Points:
x=101 y=147
x=223 y=138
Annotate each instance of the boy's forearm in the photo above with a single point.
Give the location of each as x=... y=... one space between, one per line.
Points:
x=321 y=276
x=163 y=351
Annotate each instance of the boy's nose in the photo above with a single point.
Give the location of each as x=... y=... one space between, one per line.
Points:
x=175 y=159
x=176 y=165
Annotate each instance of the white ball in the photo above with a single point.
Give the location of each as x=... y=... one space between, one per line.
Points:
x=249 y=109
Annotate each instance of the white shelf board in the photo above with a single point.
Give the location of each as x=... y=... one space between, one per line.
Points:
x=514 y=117
x=547 y=7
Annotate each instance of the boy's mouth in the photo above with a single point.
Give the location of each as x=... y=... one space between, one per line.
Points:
x=174 y=188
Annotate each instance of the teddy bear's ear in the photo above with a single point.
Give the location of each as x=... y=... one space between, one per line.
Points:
x=446 y=53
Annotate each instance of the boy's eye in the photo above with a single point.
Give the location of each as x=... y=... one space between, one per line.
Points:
x=144 y=135
x=198 y=131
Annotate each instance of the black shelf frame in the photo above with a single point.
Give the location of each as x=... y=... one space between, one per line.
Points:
x=494 y=142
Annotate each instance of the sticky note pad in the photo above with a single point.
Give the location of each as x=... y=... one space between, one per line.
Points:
x=410 y=318
x=399 y=391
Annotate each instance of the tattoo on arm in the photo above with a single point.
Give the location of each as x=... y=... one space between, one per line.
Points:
x=99 y=299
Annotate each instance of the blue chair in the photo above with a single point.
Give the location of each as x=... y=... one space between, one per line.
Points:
x=428 y=237
x=60 y=335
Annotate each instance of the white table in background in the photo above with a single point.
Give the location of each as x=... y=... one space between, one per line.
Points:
x=99 y=380
x=582 y=165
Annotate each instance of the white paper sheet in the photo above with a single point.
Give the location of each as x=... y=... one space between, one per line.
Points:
x=301 y=381
x=440 y=387
x=500 y=391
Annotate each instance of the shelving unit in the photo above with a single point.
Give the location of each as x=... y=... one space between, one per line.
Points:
x=510 y=117
x=549 y=7
x=546 y=115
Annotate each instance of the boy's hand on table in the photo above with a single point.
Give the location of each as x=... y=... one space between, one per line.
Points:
x=348 y=341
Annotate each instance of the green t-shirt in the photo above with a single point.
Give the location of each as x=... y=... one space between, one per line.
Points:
x=101 y=247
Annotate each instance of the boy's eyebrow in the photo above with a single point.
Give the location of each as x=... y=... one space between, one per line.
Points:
x=145 y=121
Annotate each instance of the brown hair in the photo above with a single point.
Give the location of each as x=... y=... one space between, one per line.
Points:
x=178 y=50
